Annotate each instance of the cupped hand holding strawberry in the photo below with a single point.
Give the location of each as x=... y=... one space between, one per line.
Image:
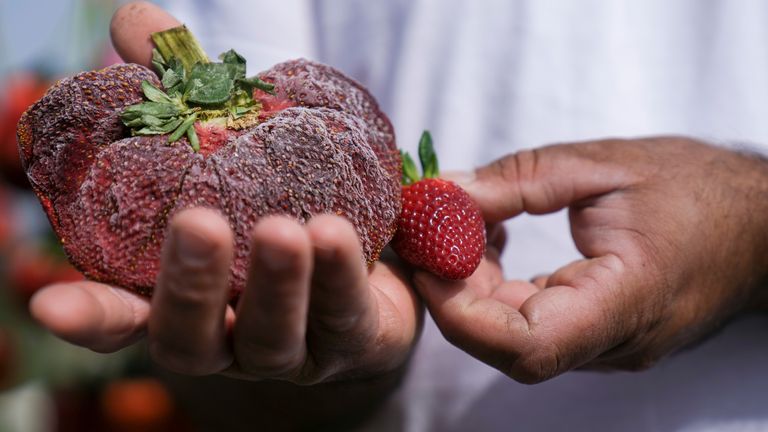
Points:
x=311 y=309
x=440 y=228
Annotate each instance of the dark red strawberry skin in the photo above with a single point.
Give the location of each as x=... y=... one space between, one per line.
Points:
x=323 y=147
x=308 y=84
x=440 y=229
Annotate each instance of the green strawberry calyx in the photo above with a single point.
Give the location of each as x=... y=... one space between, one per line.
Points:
x=195 y=89
x=427 y=157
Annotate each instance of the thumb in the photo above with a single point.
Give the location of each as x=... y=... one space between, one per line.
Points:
x=131 y=27
x=542 y=180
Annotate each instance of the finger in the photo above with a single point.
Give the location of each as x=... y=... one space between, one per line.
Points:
x=187 y=328
x=132 y=26
x=271 y=320
x=541 y=180
x=343 y=318
x=540 y=281
x=92 y=315
x=554 y=330
x=471 y=319
x=399 y=308
x=486 y=282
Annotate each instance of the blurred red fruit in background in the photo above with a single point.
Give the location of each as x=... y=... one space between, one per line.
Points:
x=31 y=268
x=137 y=404
x=17 y=93
x=6 y=217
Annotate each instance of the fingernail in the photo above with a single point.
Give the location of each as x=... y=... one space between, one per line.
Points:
x=462 y=178
x=193 y=249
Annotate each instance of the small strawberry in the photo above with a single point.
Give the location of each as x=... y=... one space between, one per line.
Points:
x=440 y=228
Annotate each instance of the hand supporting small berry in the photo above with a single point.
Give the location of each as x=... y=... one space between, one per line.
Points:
x=675 y=243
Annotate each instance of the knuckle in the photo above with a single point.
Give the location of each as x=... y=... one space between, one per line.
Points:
x=337 y=323
x=516 y=170
x=526 y=166
x=190 y=297
x=191 y=288
x=344 y=335
x=508 y=168
x=522 y=171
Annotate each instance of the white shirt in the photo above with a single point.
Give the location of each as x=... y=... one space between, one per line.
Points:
x=491 y=77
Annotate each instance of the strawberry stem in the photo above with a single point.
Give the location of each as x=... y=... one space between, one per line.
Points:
x=180 y=43
x=194 y=89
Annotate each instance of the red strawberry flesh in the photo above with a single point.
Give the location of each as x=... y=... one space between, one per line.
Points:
x=440 y=229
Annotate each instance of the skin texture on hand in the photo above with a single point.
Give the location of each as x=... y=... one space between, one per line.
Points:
x=675 y=242
x=357 y=322
x=312 y=311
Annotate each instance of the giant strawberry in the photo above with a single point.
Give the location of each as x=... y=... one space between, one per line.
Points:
x=440 y=228
x=114 y=154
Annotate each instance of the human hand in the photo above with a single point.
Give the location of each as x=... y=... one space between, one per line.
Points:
x=675 y=241
x=311 y=310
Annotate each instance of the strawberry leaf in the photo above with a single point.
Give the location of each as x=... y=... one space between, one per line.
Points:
x=170 y=78
x=190 y=86
x=255 y=82
x=154 y=94
x=155 y=109
x=133 y=123
x=148 y=130
x=216 y=84
x=427 y=156
x=152 y=121
x=168 y=126
x=410 y=172
x=176 y=78
x=186 y=124
x=236 y=62
x=158 y=62
x=237 y=112
x=194 y=141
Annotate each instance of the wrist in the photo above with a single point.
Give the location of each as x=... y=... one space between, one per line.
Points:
x=280 y=405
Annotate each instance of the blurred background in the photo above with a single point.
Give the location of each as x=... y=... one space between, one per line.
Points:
x=47 y=384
